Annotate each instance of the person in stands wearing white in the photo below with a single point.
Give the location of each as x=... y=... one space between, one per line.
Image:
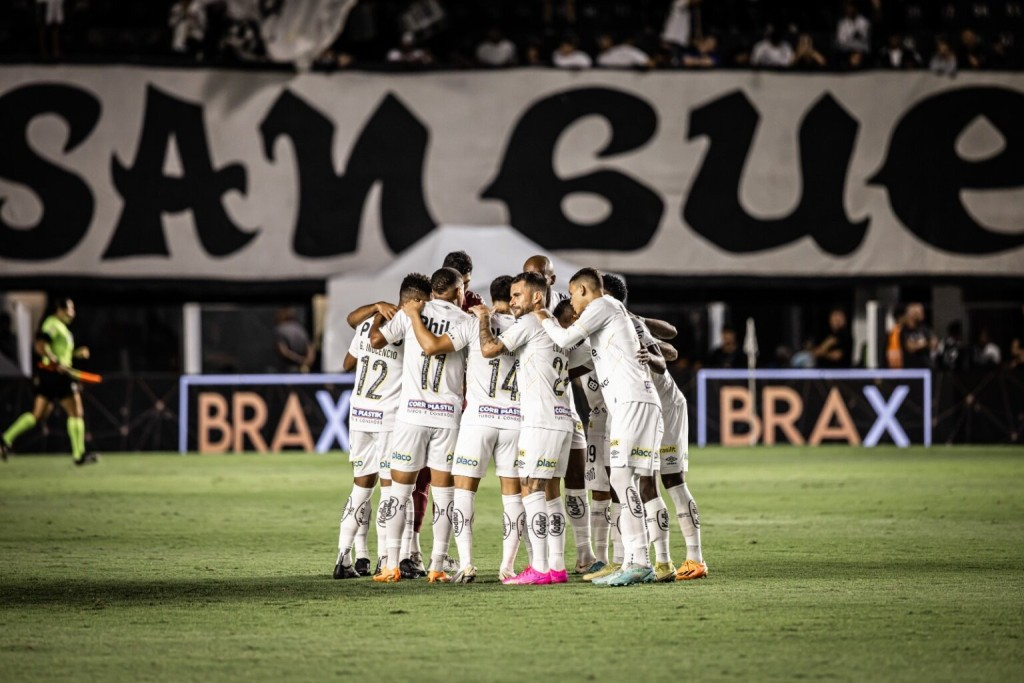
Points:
x=496 y=50
x=568 y=56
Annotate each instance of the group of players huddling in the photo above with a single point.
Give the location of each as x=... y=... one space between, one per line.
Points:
x=444 y=386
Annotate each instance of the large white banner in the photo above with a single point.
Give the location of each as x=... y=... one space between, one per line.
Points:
x=223 y=175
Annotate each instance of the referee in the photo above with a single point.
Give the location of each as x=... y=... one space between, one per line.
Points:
x=56 y=348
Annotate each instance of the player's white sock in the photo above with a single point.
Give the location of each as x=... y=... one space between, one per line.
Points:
x=414 y=539
x=443 y=498
x=356 y=509
x=614 y=512
x=537 y=523
x=631 y=519
x=657 y=528
x=382 y=528
x=462 y=525
x=393 y=509
x=362 y=546
x=599 y=523
x=578 y=512
x=556 y=534
x=515 y=520
x=689 y=520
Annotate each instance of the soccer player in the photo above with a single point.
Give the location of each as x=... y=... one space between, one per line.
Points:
x=56 y=348
x=547 y=427
x=461 y=261
x=575 y=487
x=489 y=428
x=604 y=510
x=427 y=424
x=673 y=465
x=635 y=427
x=371 y=419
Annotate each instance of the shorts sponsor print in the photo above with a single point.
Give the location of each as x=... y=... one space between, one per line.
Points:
x=477 y=444
x=414 y=447
x=635 y=435
x=544 y=453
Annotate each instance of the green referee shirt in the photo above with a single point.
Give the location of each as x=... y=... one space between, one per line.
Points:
x=62 y=342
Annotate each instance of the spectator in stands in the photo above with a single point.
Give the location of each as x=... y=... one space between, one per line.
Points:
x=1004 y=54
x=916 y=340
x=532 y=56
x=496 y=50
x=772 y=52
x=188 y=27
x=950 y=353
x=408 y=53
x=805 y=56
x=943 y=62
x=678 y=28
x=50 y=17
x=703 y=54
x=568 y=56
x=853 y=35
x=623 y=55
x=893 y=348
x=899 y=54
x=986 y=354
x=727 y=355
x=295 y=350
x=804 y=358
x=972 y=53
x=836 y=349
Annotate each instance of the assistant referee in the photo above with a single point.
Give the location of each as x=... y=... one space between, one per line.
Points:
x=56 y=348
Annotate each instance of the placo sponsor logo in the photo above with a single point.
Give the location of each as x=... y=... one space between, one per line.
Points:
x=637 y=452
x=402 y=457
x=468 y=462
x=545 y=464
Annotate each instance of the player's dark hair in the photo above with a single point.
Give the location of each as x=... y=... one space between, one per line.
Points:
x=444 y=279
x=501 y=289
x=562 y=307
x=460 y=261
x=590 y=276
x=413 y=285
x=728 y=328
x=615 y=285
x=60 y=302
x=534 y=281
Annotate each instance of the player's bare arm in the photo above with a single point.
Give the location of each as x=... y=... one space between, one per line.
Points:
x=655 y=361
x=81 y=352
x=668 y=351
x=660 y=329
x=44 y=351
x=431 y=344
x=384 y=308
x=490 y=347
x=377 y=338
x=349 y=364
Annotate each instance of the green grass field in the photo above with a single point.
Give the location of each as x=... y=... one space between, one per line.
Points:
x=825 y=563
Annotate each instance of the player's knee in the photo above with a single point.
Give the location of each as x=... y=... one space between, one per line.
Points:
x=648 y=489
x=672 y=480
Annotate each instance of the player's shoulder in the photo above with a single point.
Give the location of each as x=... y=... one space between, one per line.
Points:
x=445 y=309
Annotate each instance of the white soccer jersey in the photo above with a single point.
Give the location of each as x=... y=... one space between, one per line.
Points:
x=431 y=385
x=492 y=397
x=542 y=374
x=378 y=383
x=668 y=392
x=614 y=341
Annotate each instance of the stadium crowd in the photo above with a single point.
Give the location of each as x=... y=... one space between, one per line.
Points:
x=942 y=35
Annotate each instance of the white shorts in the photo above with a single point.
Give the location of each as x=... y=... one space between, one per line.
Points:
x=595 y=472
x=543 y=453
x=634 y=436
x=476 y=445
x=368 y=453
x=414 y=447
x=675 y=441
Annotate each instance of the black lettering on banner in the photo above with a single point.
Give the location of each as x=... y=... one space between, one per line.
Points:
x=925 y=176
x=713 y=209
x=148 y=193
x=528 y=185
x=391 y=149
x=66 y=199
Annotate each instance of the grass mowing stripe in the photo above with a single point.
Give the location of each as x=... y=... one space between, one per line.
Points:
x=829 y=563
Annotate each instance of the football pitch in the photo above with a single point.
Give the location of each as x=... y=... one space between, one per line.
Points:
x=828 y=563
